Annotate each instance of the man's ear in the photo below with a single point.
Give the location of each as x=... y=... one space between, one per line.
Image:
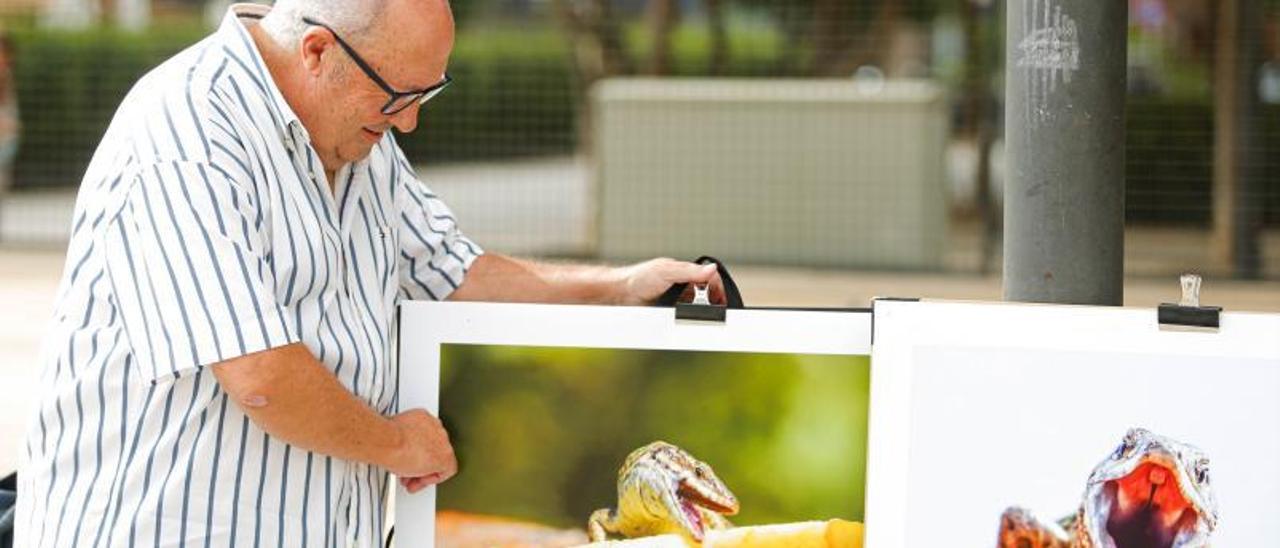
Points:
x=313 y=46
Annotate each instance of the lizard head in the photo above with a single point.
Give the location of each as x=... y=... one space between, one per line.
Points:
x=669 y=484
x=1151 y=491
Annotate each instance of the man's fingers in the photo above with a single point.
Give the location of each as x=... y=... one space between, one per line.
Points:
x=679 y=272
x=413 y=485
x=704 y=273
x=718 y=295
x=708 y=274
x=649 y=280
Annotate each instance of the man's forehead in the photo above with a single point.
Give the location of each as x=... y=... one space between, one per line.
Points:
x=414 y=21
x=415 y=37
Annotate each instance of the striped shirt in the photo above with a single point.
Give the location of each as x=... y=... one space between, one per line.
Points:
x=205 y=230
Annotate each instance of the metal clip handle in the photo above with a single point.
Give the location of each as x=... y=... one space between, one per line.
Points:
x=1188 y=313
x=1190 y=290
x=700 y=308
x=701 y=295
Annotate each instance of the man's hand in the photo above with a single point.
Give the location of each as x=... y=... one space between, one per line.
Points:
x=498 y=278
x=645 y=282
x=425 y=456
x=279 y=389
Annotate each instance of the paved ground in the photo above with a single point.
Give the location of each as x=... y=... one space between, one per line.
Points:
x=27 y=284
x=542 y=208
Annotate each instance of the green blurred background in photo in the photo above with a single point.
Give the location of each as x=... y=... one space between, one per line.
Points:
x=541 y=432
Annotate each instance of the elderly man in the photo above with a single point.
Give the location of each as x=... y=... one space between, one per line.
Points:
x=220 y=368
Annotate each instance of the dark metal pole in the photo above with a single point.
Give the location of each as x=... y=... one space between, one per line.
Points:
x=1065 y=137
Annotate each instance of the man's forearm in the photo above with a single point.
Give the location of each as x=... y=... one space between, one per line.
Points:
x=290 y=395
x=495 y=277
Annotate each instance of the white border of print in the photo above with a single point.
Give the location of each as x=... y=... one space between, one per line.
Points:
x=910 y=334
x=425 y=326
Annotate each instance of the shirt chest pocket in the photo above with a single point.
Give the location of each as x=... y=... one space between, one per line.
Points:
x=390 y=256
x=373 y=249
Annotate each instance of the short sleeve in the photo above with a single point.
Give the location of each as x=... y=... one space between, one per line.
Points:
x=187 y=264
x=434 y=254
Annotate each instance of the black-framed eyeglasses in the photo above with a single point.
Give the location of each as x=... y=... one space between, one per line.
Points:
x=399 y=100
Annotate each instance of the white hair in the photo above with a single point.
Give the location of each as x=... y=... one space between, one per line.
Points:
x=351 y=18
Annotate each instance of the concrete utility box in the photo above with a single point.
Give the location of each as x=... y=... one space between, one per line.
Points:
x=793 y=172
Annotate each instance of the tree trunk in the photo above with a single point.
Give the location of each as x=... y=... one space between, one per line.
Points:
x=597 y=42
x=663 y=17
x=791 y=60
x=1237 y=211
x=598 y=53
x=719 y=37
x=978 y=126
x=617 y=59
x=840 y=47
x=832 y=33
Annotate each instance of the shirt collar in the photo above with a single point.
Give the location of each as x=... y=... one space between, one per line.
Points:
x=236 y=36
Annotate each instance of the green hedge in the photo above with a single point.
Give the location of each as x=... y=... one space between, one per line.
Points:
x=515 y=93
x=69 y=85
x=514 y=96
x=1170 y=162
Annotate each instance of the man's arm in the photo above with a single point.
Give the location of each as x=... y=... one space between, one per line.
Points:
x=290 y=395
x=494 y=277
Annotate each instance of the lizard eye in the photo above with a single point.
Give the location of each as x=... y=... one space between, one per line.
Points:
x=1202 y=472
x=1127 y=445
x=1122 y=450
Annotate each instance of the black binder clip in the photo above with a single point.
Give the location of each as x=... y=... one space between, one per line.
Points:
x=1188 y=315
x=701 y=308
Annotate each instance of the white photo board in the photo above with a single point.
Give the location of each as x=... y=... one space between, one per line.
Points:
x=978 y=407
x=430 y=330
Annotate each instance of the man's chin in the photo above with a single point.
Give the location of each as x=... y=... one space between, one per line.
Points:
x=356 y=152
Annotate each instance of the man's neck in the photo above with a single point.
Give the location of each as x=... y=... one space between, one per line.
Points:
x=272 y=55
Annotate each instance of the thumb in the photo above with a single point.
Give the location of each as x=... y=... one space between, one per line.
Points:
x=704 y=274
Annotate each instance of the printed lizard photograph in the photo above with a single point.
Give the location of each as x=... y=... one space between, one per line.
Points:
x=570 y=446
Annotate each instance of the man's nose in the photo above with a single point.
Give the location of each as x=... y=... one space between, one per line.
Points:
x=406 y=120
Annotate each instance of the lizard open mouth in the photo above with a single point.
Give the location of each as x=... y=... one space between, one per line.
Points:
x=1148 y=508
x=691 y=514
x=693 y=501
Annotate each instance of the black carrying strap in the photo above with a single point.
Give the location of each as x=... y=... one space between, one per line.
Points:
x=733 y=298
x=8 y=500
